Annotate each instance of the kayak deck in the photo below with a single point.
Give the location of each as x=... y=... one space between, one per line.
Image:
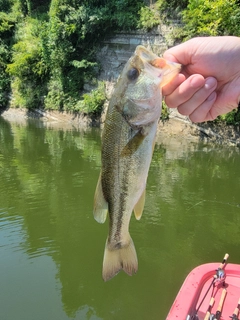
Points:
x=195 y=287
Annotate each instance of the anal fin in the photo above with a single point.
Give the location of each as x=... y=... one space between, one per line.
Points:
x=100 y=208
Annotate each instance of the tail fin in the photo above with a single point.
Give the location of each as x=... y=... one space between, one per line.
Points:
x=115 y=260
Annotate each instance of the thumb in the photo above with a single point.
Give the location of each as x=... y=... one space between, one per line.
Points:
x=181 y=53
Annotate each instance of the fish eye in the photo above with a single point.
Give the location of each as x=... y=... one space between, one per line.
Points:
x=133 y=74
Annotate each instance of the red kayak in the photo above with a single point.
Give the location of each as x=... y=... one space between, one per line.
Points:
x=210 y=291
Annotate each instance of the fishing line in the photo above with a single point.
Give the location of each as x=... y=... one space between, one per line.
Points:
x=199 y=306
x=236 y=205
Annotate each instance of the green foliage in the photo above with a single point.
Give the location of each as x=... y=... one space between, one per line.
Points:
x=54 y=47
x=7 y=26
x=211 y=18
x=165 y=112
x=122 y=14
x=55 y=94
x=4 y=78
x=171 y=9
x=231 y=118
x=28 y=69
x=149 y=17
x=93 y=102
x=161 y=10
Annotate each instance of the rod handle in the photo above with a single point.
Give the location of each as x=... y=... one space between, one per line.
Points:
x=207 y=315
x=236 y=311
x=223 y=295
x=209 y=308
x=224 y=261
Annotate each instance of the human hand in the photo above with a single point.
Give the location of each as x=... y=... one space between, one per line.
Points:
x=209 y=83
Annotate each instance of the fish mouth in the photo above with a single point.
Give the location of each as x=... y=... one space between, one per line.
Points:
x=167 y=69
x=162 y=69
x=158 y=67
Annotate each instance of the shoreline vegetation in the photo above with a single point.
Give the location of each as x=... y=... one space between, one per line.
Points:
x=48 y=51
x=176 y=126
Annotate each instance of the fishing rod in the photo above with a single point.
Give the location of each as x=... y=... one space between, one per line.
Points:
x=218 y=276
x=218 y=313
x=207 y=316
x=234 y=316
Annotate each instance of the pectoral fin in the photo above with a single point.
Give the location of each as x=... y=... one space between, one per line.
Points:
x=138 y=209
x=133 y=144
x=100 y=208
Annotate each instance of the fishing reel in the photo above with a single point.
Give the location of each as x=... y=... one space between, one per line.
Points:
x=220 y=276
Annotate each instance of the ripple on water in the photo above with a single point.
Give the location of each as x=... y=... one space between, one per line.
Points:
x=46 y=246
x=13 y=238
x=11 y=234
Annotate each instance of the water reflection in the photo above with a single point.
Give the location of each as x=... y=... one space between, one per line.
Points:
x=51 y=247
x=46 y=179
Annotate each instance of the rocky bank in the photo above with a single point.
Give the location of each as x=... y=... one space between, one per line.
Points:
x=176 y=126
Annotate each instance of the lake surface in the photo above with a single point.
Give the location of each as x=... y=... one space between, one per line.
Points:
x=51 y=248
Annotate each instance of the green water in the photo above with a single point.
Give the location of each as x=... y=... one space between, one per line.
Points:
x=51 y=248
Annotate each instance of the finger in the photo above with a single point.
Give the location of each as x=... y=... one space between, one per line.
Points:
x=172 y=85
x=181 y=53
x=185 y=91
x=203 y=112
x=168 y=55
x=217 y=109
x=198 y=98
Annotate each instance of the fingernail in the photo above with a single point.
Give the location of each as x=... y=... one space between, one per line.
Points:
x=210 y=83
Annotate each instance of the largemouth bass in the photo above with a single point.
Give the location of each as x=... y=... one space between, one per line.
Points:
x=127 y=145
